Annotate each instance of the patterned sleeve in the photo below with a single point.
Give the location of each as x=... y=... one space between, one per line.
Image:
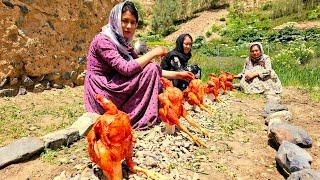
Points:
x=176 y=64
x=111 y=55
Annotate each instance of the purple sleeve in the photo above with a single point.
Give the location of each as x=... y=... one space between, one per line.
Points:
x=111 y=55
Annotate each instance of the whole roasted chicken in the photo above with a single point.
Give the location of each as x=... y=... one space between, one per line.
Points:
x=213 y=87
x=226 y=79
x=195 y=94
x=111 y=140
x=171 y=109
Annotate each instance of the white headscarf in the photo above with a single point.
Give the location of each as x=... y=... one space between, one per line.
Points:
x=114 y=30
x=260 y=60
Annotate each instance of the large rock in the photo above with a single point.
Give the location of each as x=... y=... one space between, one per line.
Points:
x=20 y=150
x=306 y=174
x=281 y=116
x=60 y=138
x=292 y=158
x=85 y=122
x=273 y=98
x=279 y=133
x=272 y=108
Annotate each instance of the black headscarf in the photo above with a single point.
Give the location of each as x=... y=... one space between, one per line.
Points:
x=177 y=52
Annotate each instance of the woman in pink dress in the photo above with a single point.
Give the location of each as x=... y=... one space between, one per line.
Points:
x=115 y=71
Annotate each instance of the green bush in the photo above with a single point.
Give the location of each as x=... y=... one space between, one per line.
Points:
x=141 y=13
x=286 y=35
x=302 y=53
x=267 y=6
x=208 y=34
x=198 y=42
x=246 y=27
x=285 y=59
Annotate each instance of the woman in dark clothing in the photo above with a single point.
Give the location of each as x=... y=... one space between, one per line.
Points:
x=177 y=60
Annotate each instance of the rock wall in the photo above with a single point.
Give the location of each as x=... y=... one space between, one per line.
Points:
x=43 y=43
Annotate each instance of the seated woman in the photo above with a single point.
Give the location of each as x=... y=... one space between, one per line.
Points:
x=258 y=75
x=177 y=60
x=115 y=71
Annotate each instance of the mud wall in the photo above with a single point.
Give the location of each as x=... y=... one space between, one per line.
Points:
x=43 y=43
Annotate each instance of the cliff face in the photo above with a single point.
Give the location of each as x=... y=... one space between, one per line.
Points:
x=43 y=43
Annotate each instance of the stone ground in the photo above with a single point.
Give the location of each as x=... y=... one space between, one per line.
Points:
x=237 y=148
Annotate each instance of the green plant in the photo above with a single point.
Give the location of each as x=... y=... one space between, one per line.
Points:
x=215 y=28
x=208 y=34
x=285 y=59
x=267 y=6
x=198 y=42
x=49 y=156
x=302 y=53
x=141 y=13
x=286 y=35
x=222 y=19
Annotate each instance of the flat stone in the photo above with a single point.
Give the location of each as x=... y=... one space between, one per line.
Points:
x=20 y=150
x=73 y=75
x=14 y=81
x=82 y=60
x=60 y=138
x=4 y=82
x=80 y=79
x=273 y=98
x=38 y=88
x=85 y=123
x=292 y=158
x=306 y=174
x=57 y=86
x=281 y=116
x=27 y=81
x=272 y=108
x=279 y=133
x=22 y=91
x=8 y=92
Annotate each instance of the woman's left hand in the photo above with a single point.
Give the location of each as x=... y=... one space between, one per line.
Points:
x=185 y=75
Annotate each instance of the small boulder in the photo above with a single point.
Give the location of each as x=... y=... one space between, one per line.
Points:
x=292 y=158
x=279 y=133
x=306 y=174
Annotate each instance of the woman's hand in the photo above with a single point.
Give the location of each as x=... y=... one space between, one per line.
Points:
x=250 y=75
x=185 y=75
x=149 y=56
x=160 y=51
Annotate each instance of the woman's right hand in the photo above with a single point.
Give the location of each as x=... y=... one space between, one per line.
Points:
x=160 y=51
x=185 y=75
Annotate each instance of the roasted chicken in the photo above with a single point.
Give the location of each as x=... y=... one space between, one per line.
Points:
x=111 y=140
x=213 y=87
x=195 y=93
x=226 y=80
x=171 y=109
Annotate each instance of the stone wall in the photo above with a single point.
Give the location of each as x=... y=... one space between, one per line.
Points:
x=43 y=43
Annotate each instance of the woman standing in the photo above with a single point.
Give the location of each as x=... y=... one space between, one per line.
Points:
x=115 y=71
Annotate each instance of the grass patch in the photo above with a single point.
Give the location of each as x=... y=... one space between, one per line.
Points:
x=216 y=64
x=49 y=156
x=37 y=115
